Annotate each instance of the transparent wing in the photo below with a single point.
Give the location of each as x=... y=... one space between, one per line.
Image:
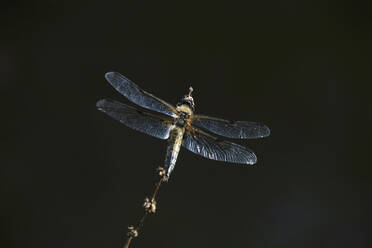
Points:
x=211 y=147
x=136 y=119
x=231 y=129
x=140 y=97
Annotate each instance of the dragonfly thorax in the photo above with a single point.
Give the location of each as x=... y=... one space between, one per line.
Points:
x=184 y=113
x=184 y=109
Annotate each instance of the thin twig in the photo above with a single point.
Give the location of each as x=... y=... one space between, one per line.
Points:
x=150 y=207
x=128 y=242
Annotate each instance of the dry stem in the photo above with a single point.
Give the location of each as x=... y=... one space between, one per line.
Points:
x=150 y=207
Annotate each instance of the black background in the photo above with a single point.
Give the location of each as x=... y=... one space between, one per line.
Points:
x=73 y=177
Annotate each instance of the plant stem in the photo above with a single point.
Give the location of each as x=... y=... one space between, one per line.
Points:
x=150 y=207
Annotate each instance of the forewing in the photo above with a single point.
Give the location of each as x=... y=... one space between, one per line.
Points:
x=140 y=97
x=136 y=119
x=231 y=129
x=211 y=147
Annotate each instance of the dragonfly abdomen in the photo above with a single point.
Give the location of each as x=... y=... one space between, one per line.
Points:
x=173 y=148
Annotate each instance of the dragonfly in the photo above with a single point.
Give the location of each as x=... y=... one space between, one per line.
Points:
x=180 y=126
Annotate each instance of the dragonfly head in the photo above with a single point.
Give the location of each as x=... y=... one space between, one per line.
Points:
x=188 y=100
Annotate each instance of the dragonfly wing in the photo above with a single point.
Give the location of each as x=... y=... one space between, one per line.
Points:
x=140 y=97
x=211 y=147
x=134 y=118
x=231 y=129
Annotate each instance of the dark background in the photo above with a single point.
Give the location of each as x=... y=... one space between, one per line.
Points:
x=73 y=177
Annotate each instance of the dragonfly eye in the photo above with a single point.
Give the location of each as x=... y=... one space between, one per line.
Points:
x=187 y=102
